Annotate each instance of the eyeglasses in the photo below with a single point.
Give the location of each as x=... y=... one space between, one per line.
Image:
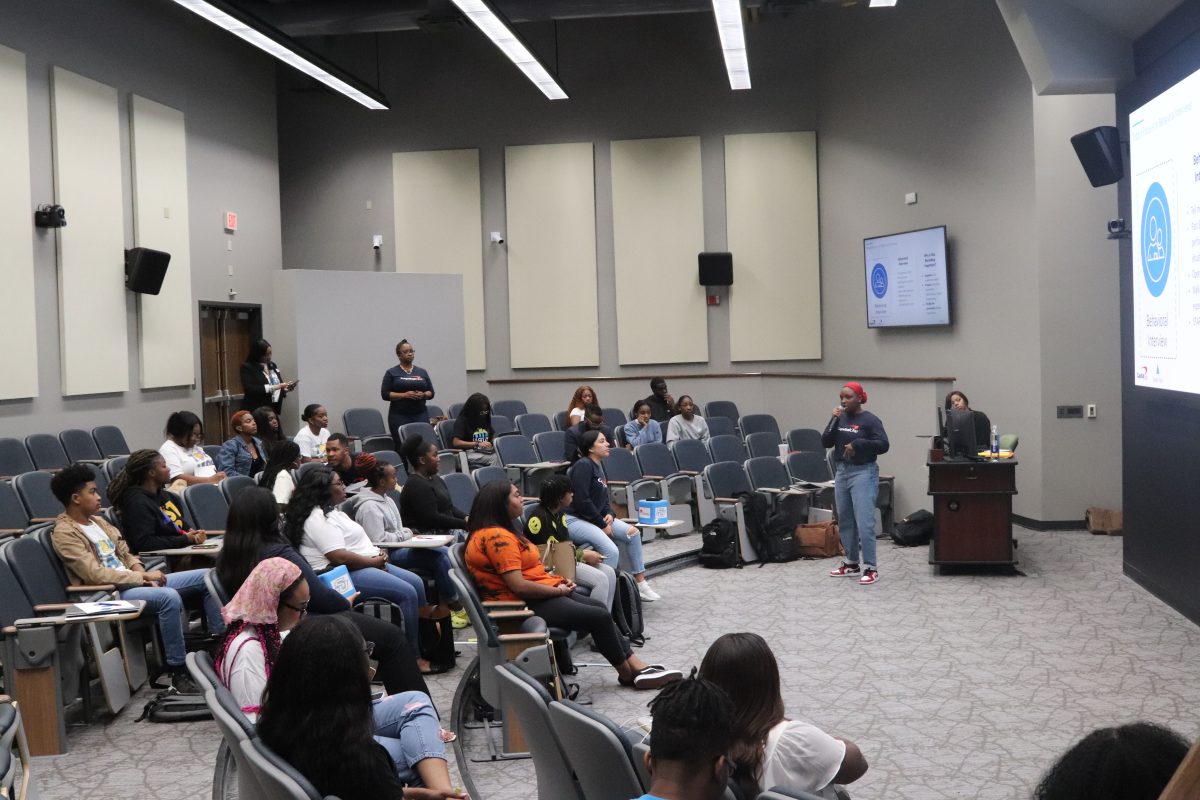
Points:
x=368 y=648
x=301 y=609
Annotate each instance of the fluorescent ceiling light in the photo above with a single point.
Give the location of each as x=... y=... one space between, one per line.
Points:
x=882 y=3
x=484 y=17
x=269 y=40
x=733 y=42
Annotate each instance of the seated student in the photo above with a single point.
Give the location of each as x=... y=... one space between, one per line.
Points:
x=186 y=459
x=642 y=428
x=326 y=537
x=506 y=566
x=280 y=473
x=94 y=553
x=662 y=404
x=1130 y=762
x=957 y=401
x=331 y=735
x=593 y=420
x=590 y=520
x=243 y=453
x=337 y=456
x=689 y=742
x=584 y=396
x=150 y=516
x=547 y=521
x=253 y=533
x=473 y=431
x=686 y=424
x=380 y=518
x=425 y=502
x=315 y=433
x=271 y=602
x=770 y=750
x=269 y=429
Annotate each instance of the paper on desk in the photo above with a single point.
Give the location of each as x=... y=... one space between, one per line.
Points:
x=104 y=607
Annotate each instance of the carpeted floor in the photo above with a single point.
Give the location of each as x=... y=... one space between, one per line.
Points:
x=954 y=686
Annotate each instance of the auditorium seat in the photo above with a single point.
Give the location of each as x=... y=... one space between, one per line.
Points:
x=367 y=425
x=14 y=458
x=34 y=490
x=110 y=441
x=755 y=423
x=718 y=426
x=727 y=448
x=79 y=445
x=806 y=439
x=509 y=408
x=46 y=451
x=531 y=425
x=721 y=408
x=763 y=444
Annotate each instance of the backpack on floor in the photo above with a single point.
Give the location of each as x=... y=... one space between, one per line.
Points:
x=630 y=603
x=780 y=542
x=718 y=545
x=914 y=530
x=170 y=706
x=755 y=510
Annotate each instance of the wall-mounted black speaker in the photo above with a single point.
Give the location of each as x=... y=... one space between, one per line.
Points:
x=145 y=269
x=1099 y=152
x=716 y=269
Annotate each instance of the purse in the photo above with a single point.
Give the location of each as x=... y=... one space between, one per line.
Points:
x=559 y=558
x=819 y=540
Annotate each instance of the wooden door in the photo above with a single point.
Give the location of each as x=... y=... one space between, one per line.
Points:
x=226 y=331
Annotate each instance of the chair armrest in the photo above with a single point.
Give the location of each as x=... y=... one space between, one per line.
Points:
x=503 y=603
x=654 y=477
x=618 y=483
x=42 y=608
x=726 y=500
x=516 y=613
x=522 y=637
x=5 y=698
x=101 y=587
x=691 y=473
x=11 y=531
x=34 y=520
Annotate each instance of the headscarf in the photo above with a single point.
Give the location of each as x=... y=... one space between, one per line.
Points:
x=257 y=602
x=365 y=463
x=858 y=390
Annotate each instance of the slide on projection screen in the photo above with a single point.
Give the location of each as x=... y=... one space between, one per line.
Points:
x=906 y=279
x=1164 y=167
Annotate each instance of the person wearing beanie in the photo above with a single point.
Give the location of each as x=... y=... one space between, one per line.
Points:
x=858 y=439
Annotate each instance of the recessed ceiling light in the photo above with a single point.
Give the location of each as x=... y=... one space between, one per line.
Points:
x=733 y=42
x=882 y=3
x=269 y=40
x=488 y=20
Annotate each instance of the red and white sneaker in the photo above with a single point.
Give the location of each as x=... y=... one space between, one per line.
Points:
x=844 y=571
x=869 y=576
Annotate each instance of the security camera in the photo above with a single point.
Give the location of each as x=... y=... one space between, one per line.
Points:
x=50 y=216
x=1117 y=229
x=497 y=237
x=376 y=242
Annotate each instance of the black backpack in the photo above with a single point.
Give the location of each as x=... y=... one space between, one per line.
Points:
x=780 y=543
x=755 y=509
x=914 y=530
x=627 y=610
x=719 y=545
x=170 y=706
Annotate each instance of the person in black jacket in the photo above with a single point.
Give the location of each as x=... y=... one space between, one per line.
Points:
x=151 y=517
x=662 y=404
x=590 y=520
x=425 y=503
x=253 y=534
x=262 y=384
x=593 y=420
x=857 y=438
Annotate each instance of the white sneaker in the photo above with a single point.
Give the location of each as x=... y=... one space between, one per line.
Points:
x=648 y=594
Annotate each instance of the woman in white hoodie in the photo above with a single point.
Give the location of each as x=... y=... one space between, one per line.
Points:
x=380 y=518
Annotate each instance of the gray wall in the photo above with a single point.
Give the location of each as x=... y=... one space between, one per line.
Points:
x=227 y=94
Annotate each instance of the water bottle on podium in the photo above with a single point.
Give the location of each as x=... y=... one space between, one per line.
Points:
x=995 y=443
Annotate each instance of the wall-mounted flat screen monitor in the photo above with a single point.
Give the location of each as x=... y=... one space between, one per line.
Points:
x=1165 y=211
x=906 y=281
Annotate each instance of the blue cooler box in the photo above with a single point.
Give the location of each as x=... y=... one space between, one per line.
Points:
x=653 y=512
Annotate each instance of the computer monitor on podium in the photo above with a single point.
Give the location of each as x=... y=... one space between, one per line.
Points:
x=960 y=435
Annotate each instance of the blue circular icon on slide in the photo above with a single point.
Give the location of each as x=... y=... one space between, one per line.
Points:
x=1156 y=239
x=879 y=281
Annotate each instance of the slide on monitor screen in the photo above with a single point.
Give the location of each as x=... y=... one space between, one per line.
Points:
x=906 y=279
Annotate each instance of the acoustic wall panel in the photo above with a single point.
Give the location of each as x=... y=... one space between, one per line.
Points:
x=166 y=341
x=658 y=229
x=439 y=228
x=771 y=214
x=91 y=266
x=18 y=331
x=551 y=201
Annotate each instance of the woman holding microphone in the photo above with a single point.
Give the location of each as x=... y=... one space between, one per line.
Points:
x=857 y=438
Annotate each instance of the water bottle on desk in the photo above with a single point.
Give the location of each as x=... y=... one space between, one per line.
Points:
x=995 y=443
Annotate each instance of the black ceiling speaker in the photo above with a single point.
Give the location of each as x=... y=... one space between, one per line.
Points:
x=1099 y=152
x=145 y=269
x=716 y=269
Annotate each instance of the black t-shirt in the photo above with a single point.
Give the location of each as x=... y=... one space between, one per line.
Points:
x=464 y=430
x=542 y=525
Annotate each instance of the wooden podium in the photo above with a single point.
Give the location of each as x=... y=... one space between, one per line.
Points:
x=972 y=512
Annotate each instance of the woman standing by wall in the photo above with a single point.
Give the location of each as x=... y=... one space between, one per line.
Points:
x=262 y=385
x=407 y=388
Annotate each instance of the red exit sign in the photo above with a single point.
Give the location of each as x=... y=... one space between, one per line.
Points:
x=230 y=221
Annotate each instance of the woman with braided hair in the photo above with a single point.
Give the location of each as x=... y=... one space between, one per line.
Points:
x=151 y=517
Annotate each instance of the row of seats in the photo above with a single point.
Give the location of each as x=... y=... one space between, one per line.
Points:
x=47 y=451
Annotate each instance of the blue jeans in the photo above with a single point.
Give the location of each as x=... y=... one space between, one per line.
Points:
x=408 y=728
x=855 y=488
x=434 y=560
x=167 y=603
x=610 y=547
x=396 y=586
